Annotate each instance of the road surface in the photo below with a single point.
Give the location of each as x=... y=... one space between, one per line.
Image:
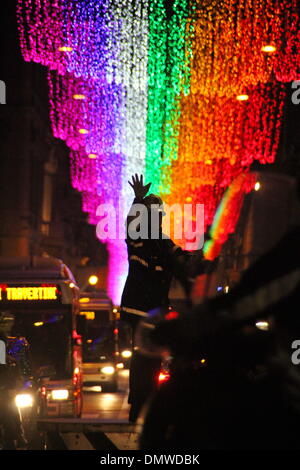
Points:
x=108 y=405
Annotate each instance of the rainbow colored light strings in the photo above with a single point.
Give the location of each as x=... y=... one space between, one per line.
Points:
x=187 y=92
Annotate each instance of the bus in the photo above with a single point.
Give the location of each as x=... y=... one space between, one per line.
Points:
x=39 y=301
x=99 y=337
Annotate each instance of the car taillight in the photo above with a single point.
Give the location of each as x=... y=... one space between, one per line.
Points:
x=171 y=315
x=163 y=377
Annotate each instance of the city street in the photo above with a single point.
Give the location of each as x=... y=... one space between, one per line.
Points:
x=100 y=409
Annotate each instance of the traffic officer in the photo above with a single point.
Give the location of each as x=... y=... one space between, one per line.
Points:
x=153 y=261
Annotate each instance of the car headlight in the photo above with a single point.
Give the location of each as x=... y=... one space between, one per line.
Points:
x=108 y=370
x=60 y=394
x=262 y=325
x=126 y=354
x=24 y=400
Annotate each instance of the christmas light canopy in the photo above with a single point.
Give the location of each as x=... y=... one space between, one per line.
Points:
x=188 y=93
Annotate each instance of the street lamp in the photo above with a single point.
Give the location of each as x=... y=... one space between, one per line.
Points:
x=242 y=97
x=93 y=280
x=268 y=48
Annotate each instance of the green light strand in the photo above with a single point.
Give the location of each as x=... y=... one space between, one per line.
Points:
x=169 y=56
x=157 y=79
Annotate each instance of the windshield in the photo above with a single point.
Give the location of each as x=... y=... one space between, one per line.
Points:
x=98 y=340
x=49 y=338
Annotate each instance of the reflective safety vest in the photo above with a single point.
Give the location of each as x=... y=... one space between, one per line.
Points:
x=151 y=267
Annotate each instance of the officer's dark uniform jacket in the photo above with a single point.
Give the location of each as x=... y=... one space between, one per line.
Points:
x=152 y=264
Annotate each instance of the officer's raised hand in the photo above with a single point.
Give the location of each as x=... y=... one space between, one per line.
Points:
x=137 y=185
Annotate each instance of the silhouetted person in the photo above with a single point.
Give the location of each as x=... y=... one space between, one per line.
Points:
x=152 y=264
